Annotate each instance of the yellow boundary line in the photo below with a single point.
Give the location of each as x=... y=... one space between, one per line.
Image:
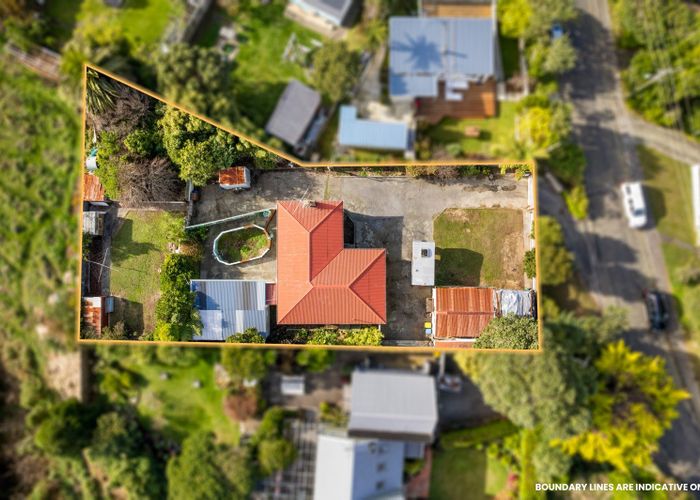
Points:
x=304 y=164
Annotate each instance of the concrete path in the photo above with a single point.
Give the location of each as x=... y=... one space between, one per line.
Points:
x=667 y=141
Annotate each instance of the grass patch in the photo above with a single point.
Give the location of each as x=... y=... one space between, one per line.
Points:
x=260 y=73
x=177 y=408
x=479 y=247
x=495 y=132
x=668 y=192
x=241 y=245
x=138 y=250
x=142 y=22
x=458 y=471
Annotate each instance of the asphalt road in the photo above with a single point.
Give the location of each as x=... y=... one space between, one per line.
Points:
x=617 y=262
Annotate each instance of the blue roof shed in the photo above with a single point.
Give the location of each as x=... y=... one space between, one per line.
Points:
x=355 y=132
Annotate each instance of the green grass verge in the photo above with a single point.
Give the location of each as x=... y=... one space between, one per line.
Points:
x=496 y=132
x=241 y=245
x=668 y=192
x=177 y=408
x=465 y=438
x=466 y=473
x=479 y=247
x=138 y=250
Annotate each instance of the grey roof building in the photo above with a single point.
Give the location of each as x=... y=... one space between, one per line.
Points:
x=427 y=50
x=394 y=405
x=358 y=469
x=228 y=307
x=337 y=12
x=295 y=115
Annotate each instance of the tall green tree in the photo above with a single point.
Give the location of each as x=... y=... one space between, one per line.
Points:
x=556 y=261
x=247 y=364
x=199 y=473
x=634 y=404
x=335 y=70
x=199 y=149
x=509 y=332
x=197 y=78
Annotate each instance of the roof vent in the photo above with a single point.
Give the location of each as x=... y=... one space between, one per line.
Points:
x=309 y=204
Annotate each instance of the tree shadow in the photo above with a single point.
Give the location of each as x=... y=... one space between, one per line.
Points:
x=458 y=267
x=131 y=313
x=130 y=247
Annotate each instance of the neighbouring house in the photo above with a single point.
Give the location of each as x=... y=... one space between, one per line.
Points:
x=460 y=314
x=358 y=469
x=354 y=132
x=423 y=263
x=298 y=117
x=327 y=17
x=446 y=66
x=96 y=311
x=228 y=307
x=394 y=405
x=458 y=8
x=319 y=281
x=93 y=190
x=236 y=178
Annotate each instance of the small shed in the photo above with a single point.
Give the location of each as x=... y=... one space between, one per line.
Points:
x=293 y=385
x=92 y=188
x=96 y=310
x=355 y=132
x=423 y=263
x=236 y=178
x=94 y=223
x=293 y=119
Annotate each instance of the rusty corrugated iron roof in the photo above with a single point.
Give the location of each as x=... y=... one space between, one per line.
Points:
x=462 y=312
x=318 y=280
x=233 y=176
x=92 y=188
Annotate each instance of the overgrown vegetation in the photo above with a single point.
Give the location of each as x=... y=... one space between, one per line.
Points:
x=661 y=78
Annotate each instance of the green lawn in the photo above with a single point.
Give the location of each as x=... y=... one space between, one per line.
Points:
x=138 y=250
x=458 y=469
x=178 y=408
x=260 y=72
x=242 y=245
x=667 y=189
x=496 y=133
x=142 y=21
x=479 y=247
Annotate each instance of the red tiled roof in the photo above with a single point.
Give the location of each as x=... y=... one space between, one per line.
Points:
x=318 y=281
x=462 y=312
x=92 y=188
x=232 y=176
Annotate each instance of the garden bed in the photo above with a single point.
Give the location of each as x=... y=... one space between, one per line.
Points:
x=241 y=244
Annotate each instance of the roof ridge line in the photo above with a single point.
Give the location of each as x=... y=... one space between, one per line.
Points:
x=364 y=271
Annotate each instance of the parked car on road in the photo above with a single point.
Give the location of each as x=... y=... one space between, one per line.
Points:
x=656 y=309
x=635 y=206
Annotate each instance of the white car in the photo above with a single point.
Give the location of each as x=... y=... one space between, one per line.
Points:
x=635 y=206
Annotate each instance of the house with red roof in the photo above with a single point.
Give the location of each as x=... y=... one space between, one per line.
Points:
x=319 y=281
